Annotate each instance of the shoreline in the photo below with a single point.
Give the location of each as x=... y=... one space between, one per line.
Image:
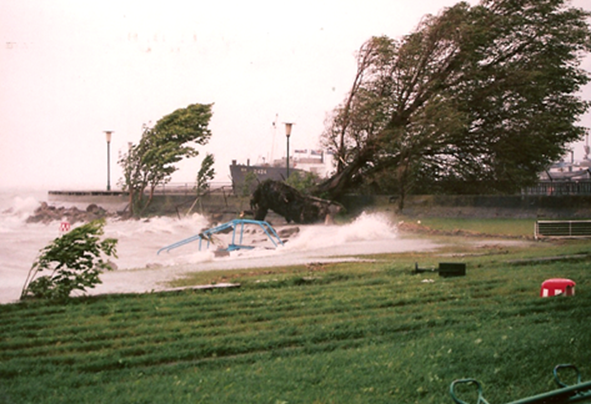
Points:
x=156 y=277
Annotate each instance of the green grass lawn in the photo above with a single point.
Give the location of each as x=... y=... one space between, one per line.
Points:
x=365 y=332
x=507 y=227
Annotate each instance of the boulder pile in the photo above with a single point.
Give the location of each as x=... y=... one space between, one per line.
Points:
x=46 y=213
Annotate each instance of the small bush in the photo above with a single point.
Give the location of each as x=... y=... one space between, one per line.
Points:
x=74 y=261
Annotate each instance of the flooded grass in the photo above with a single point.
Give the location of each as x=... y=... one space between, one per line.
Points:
x=358 y=332
x=506 y=227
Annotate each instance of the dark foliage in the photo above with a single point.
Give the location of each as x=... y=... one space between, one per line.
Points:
x=289 y=203
x=481 y=97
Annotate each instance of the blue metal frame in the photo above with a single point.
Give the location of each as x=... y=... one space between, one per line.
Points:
x=234 y=224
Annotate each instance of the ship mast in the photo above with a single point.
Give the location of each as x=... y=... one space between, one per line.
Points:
x=271 y=160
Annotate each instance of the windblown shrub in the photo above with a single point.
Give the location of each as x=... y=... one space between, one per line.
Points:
x=74 y=261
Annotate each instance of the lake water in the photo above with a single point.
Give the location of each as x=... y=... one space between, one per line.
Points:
x=141 y=269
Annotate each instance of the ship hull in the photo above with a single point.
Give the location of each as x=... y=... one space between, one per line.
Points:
x=245 y=178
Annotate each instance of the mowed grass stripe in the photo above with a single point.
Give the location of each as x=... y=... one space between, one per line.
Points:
x=78 y=333
x=274 y=311
x=171 y=333
x=274 y=308
x=400 y=337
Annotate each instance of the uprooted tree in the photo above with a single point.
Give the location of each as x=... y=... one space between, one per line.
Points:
x=289 y=203
x=152 y=161
x=475 y=100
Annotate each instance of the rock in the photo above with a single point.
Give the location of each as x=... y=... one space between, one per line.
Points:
x=221 y=253
x=46 y=213
x=288 y=232
x=93 y=208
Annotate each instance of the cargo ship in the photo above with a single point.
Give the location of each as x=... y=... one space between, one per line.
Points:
x=246 y=177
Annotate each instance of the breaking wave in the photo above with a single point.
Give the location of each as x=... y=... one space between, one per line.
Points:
x=365 y=228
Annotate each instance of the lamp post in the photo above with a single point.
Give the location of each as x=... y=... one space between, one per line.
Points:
x=108 y=135
x=288 y=126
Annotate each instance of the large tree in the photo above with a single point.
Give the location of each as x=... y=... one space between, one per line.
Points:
x=484 y=96
x=152 y=161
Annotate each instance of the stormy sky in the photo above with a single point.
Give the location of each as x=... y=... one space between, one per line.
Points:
x=69 y=70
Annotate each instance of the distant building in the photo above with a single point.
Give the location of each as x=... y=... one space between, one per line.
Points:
x=564 y=178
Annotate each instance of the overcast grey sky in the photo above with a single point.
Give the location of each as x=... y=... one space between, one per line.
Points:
x=70 y=70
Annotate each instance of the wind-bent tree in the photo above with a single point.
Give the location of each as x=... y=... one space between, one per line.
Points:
x=152 y=161
x=476 y=99
x=205 y=175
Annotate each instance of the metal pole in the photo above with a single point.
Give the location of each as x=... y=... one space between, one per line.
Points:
x=108 y=166
x=108 y=134
x=288 y=126
x=287 y=156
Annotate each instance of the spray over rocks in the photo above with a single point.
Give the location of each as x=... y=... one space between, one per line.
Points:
x=46 y=213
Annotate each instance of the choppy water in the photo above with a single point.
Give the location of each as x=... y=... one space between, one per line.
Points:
x=141 y=269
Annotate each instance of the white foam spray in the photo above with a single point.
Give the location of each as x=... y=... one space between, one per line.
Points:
x=140 y=268
x=372 y=227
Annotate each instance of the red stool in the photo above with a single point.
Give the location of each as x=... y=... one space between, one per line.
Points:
x=557 y=286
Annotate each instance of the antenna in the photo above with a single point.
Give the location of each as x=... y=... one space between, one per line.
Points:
x=271 y=159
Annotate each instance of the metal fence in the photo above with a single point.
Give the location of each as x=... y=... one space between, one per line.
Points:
x=559 y=188
x=186 y=188
x=542 y=188
x=562 y=228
